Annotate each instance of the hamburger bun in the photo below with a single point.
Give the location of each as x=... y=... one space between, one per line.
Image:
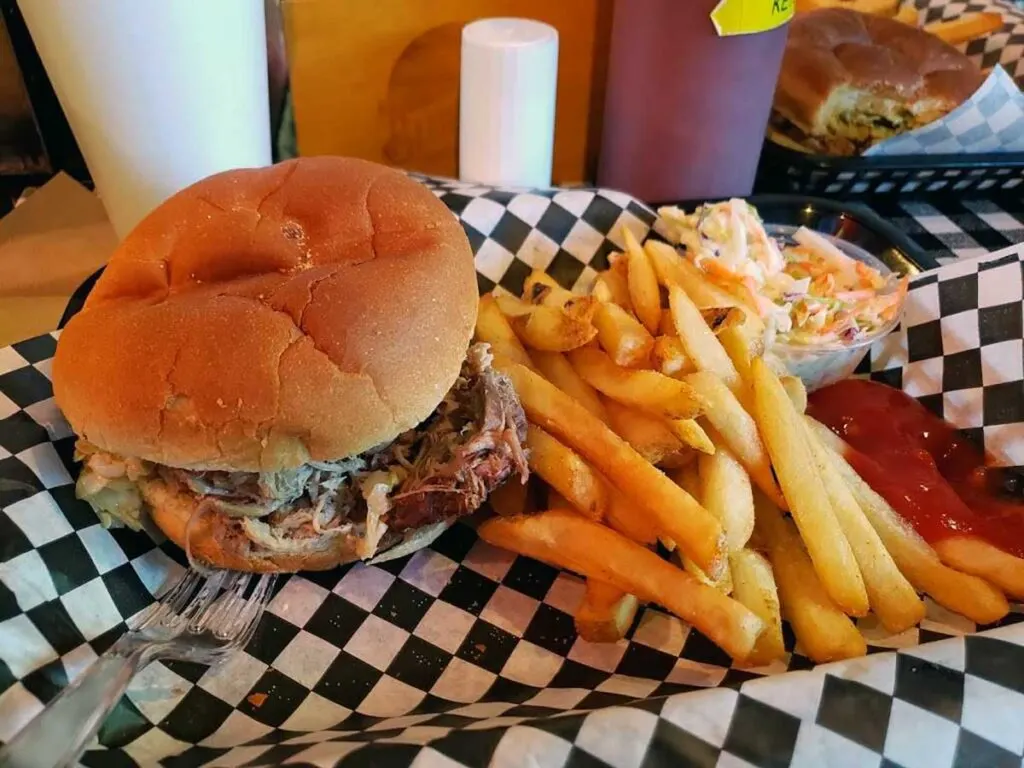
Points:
x=852 y=79
x=263 y=318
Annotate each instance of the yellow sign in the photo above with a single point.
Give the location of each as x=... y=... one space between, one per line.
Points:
x=745 y=17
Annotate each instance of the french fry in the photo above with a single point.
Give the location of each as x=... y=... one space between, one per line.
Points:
x=692 y=434
x=740 y=349
x=623 y=516
x=893 y=600
x=612 y=287
x=966 y=27
x=720 y=318
x=648 y=435
x=785 y=439
x=796 y=391
x=723 y=583
x=688 y=478
x=649 y=391
x=669 y=357
x=493 y=328
x=907 y=14
x=671 y=268
x=824 y=631
x=962 y=593
x=738 y=431
x=699 y=342
x=671 y=511
x=643 y=283
x=559 y=371
x=565 y=471
x=541 y=288
x=550 y=329
x=726 y=493
x=977 y=557
x=753 y=584
x=606 y=613
x=667 y=327
x=566 y=540
x=622 y=336
x=876 y=7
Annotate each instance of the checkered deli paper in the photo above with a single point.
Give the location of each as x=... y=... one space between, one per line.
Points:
x=464 y=654
x=992 y=120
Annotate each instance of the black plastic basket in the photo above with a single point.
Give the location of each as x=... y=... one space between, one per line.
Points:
x=784 y=170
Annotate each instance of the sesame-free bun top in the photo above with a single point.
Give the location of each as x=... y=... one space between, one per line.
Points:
x=265 y=317
x=838 y=59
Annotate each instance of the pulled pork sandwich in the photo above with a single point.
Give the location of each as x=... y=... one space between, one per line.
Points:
x=850 y=80
x=274 y=369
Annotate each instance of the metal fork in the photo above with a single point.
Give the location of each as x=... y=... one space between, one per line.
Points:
x=200 y=619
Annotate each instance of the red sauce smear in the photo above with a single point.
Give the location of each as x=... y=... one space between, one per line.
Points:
x=932 y=475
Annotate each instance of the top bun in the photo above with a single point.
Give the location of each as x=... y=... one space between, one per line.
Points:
x=840 y=61
x=262 y=318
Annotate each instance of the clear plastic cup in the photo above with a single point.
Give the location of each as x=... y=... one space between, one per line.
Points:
x=824 y=364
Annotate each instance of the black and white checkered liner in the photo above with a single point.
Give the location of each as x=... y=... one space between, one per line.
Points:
x=466 y=655
x=1004 y=47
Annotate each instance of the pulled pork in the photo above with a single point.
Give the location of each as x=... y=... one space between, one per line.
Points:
x=442 y=469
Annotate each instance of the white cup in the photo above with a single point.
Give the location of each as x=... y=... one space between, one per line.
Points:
x=158 y=94
x=509 y=77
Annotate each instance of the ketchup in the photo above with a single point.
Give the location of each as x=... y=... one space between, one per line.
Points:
x=932 y=475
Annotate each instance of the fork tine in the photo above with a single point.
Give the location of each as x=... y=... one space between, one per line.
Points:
x=206 y=595
x=233 y=595
x=172 y=600
x=243 y=623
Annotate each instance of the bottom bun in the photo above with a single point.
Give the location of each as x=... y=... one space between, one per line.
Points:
x=218 y=541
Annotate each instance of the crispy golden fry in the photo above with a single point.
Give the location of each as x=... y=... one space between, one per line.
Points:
x=493 y=328
x=606 y=613
x=753 y=584
x=688 y=478
x=720 y=318
x=559 y=371
x=672 y=512
x=669 y=357
x=542 y=288
x=892 y=598
x=692 y=434
x=740 y=349
x=643 y=283
x=672 y=268
x=723 y=583
x=611 y=287
x=667 y=326
x=966 y=27
x=907 y=14
x=550 y=329
x=785 y=438
x=649 y=391
x=976 y=556
x=726 y=493
x=648 y=435
x=737 y=429
x=511 y=498
x=699 y=342
x=565 y=471
x=622 y=336
x=566 y=540
x=824 y=631
x=962 y=593
x=622 y=515
x=796 y=391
